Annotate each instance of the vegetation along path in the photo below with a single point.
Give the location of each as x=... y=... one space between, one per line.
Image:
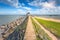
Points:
x=48 y=32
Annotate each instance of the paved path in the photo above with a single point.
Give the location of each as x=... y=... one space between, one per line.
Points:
x=48 y=19
x=30 y=34
x=48 y=32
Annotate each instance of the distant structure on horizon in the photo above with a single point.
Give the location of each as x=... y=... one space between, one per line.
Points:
x=28 y=14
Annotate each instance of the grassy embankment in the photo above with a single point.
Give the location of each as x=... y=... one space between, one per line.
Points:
x=53 y=27
x=40 y=34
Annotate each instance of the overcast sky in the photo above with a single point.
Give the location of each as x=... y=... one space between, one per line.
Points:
x=32 y=6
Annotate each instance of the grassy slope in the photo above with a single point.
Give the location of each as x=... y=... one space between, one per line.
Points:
x=39 y=31
x=54 y=27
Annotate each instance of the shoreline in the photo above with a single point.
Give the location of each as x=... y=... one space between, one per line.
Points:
x=49 y=19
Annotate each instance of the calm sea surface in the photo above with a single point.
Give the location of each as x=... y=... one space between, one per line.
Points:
x=4 y=19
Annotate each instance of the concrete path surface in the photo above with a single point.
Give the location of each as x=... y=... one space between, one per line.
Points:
x=30 y=34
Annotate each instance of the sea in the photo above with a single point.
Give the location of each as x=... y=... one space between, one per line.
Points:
x=5 y=19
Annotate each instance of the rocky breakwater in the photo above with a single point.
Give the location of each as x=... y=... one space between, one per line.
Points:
x=10 y=27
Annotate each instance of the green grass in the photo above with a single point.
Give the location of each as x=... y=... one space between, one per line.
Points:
x=39 y=31
x=53 y=27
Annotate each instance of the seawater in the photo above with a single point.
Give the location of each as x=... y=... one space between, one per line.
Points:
x=4 y=19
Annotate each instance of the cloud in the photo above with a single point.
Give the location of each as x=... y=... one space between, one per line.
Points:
x=48 y=5
x=48 y=11
x=21 y=11
x=20 y=8
x=27 y=8
x=35 y=3
x=14 y=3
x=41 y=3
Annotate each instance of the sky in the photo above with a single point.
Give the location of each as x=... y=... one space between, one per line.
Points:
x=32 y=6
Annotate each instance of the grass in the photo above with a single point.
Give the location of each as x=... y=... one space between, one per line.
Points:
x=40 y=34
x=53 y=27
